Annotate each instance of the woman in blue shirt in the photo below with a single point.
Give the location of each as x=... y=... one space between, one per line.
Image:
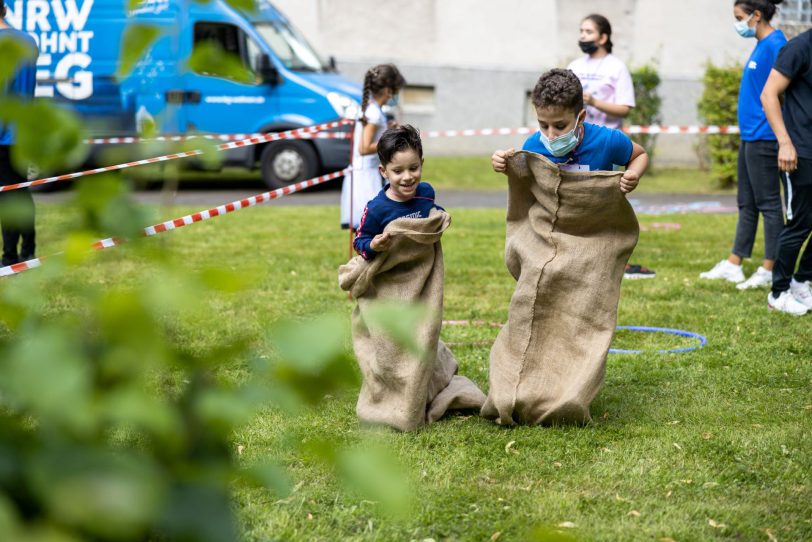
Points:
x=758 y=176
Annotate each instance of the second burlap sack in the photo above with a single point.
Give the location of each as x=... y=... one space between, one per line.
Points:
x=569 y=236
x=400 y=389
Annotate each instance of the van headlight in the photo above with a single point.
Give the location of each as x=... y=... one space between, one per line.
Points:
x=345 y=107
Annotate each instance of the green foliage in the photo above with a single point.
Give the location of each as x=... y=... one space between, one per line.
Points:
x=137 y=39
x=719 y=106
x=13 y=52
x=646 y=80
x=210 y=58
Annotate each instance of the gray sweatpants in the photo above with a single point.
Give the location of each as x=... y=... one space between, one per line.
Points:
x=759 y=191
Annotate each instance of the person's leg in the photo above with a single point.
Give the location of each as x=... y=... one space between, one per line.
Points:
x=747 y=224
x=28 y=246
x=796 y=231
x=8 y=224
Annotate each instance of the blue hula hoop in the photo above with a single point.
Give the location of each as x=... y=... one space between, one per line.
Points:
x=680 y=333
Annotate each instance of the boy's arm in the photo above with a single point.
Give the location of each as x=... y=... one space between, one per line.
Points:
x=776 y=84
x=368 y=240
x=637 y=166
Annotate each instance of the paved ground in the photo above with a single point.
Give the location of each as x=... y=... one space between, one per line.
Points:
x=196 y=196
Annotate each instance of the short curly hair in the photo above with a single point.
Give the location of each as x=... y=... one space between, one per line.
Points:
x=559 y=88
x=397 y=139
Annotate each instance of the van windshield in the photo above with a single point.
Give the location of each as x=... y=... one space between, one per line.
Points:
x=291 y=47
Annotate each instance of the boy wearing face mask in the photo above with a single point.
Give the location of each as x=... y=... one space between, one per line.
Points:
x=567 y=140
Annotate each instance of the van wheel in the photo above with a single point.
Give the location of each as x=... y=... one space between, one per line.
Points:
x=288 y=162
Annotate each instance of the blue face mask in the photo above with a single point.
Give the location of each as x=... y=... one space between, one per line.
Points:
x=394 y=101
x=562 y=145
x=744 y=30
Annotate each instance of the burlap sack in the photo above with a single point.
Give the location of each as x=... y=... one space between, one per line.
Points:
x=569 y=236
x=399 y=389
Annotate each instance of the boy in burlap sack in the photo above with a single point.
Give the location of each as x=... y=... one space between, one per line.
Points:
x=400 y=258
x=570 y=232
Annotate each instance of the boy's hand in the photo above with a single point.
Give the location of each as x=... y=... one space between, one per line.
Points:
x=629 y=181
x=499 y=160
x=381 y=242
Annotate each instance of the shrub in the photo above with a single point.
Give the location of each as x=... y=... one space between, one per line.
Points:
x=718 y=106
x=646 y=80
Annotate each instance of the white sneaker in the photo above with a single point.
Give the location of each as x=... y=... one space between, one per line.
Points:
x=760 y=278
x=802 y=293
x=787 y=303
x=724 y=270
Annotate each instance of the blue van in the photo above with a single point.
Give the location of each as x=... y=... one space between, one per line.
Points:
x=80 y=42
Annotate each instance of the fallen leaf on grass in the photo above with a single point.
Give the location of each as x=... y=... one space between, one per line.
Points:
x=708 y=485
x=557 y=464
x=674 y=422
x=509 y=448
x=716 y=525
x=309 y=516
x=606 y=450
x=707 y=436
x=495 y=536
x=807 y=407
x=756 y=425
x=634 y=513
x=621 y=499
x=771 y=535
x=240 y=449
x=567 y=525
x=668 y=494
x=677 y=446
x=667 y=539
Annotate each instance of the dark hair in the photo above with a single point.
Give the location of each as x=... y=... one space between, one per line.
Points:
x=766 y=7
x=559 y=88
x=2 y=8
x=395 y=140
x=603 y=28
x=378 y=78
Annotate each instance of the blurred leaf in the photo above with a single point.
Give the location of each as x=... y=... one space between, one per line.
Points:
x=137 y=38
x=224 y=280
x=107 y=208
x=211 y=159
x=372 y=473
x=272 y=477
x=549 y=534
x=200 y=511
x=400 y=322
x=47 y=137
x=210 y=58
x=13 y=52
x=248 y=6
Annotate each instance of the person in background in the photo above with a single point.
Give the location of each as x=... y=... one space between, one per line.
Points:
x=16 y=206
x=608 y=90
x=381 y=85
x=759 y=187
x=792 y=76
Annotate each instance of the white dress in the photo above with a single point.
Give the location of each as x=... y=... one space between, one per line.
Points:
x=365 y=181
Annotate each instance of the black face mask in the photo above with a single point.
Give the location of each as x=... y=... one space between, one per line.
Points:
x=588 y=47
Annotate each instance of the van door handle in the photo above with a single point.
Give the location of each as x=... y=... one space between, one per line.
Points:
x=176 y=97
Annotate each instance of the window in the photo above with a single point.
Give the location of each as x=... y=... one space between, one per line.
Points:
x=231 y=40
x=795 y=16
x=291 y=47
x=418 y=100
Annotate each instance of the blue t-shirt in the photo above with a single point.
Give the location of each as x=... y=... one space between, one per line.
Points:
x=600 y=150
x=381 y=210
x=753 y=123
x=22 y=85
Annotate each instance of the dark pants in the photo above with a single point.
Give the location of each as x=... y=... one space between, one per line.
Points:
x=759 y=191
x=16 y=214
x=796 y=231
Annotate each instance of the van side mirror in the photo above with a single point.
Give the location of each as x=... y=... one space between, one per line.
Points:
x=268 y=71
x=332 y=64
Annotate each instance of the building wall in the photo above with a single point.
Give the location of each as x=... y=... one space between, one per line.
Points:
x=482 y=57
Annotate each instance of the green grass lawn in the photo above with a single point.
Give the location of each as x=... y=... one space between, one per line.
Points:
x=709 y=445
x=475 y=173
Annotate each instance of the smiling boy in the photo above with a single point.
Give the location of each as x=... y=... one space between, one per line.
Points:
x=404 y=196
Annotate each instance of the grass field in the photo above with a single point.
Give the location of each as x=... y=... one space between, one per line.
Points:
x=475 y=173
x=709 y=445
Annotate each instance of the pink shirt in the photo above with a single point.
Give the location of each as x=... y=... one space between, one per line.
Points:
x=607 y=79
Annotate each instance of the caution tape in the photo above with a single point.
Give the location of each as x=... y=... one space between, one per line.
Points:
x=193 y=218
x=262 y=138
x=432 y=134
x=212 y=137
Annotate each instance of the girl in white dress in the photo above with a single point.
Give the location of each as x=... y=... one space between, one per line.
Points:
x=381 y=84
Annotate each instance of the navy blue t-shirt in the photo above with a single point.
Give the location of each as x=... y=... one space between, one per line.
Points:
x=600 y=150
x=795 y=62
x=22 y=85
x=381 y=210
x=753 y=123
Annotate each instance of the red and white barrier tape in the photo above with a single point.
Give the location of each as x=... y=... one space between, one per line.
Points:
x=191 y=219
x=432 y=134
x=263 y=138
x=213 y=137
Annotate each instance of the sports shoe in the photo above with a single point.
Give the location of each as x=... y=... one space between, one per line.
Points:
x=802 y=293
x=724 y=270
x=787 y=303
x=760 y=278
x=636 y=271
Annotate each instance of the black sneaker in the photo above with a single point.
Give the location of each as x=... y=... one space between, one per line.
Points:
x=636 y=271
